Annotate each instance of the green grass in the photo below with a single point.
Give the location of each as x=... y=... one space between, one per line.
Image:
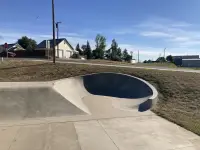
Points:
x=179 y=92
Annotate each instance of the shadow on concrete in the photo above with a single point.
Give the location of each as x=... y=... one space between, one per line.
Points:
x=132 y=91
x=116 y=85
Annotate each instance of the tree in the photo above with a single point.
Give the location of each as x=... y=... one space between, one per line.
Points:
x=169 y=58
x=27 y=43
x=88 y=51
x=78 y=49
x=114 y=53
x=148 y=61
x=145 y=61
x=119 y=54
x=161 y=59
x=100 y=47
x=126 y=56
x=84 y=49
x=114 y=47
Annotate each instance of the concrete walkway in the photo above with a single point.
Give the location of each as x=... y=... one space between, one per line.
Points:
x=148 y=132
x=107 y=128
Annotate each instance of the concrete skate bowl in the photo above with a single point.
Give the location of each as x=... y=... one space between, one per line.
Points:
x=127 y=92
x=66 y=97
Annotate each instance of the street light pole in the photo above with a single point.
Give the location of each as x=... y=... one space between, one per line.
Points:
x=53 y=23
x=164 y=52
x=57 y=27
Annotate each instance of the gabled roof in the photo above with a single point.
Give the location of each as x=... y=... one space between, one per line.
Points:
x=58 y=41
x=10 y=46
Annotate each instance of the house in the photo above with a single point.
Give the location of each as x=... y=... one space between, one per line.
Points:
x=11 y=48
x=63 y=47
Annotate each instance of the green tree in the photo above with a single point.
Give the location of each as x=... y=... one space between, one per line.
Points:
x=100 y=47
x=169 y=58
x=88 y=51
x=126 y=56
x=145 y=61
x=27 y=43
x=119 y=54
x=161 y=59
x=114 y=53
x=84 y=49
x=78 y=49
x=114 y=48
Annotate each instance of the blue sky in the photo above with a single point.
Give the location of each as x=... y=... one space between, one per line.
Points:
x=145 y=25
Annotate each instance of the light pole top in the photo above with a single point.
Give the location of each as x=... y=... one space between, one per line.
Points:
x=58 y=23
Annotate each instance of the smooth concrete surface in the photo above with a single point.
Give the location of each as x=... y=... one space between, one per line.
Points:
x=72 y=90
x=128 y=133
x=100 y=108
x=19 y=104
x=70 y=115
x=92 y=136
x=46 y=137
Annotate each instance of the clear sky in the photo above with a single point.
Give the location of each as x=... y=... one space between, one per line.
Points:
x=145 y=25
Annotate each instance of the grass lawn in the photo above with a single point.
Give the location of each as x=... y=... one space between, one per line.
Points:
x=179 y=92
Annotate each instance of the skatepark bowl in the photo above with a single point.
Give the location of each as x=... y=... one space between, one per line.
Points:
x=93 y=96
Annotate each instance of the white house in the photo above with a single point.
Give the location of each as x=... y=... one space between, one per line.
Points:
x=11 y=47
x=63 y=47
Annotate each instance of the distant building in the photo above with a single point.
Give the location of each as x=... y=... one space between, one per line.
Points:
x=178 y=59
x=190 y=62
x=63 y=47
x=133 y=61
x=11 y=48
x=187 y=57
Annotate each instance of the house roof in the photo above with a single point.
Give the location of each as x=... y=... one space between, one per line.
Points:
x=187 y=57
x=58 y=41
x=11 y=46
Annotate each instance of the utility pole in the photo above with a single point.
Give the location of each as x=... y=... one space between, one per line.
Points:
x=164 y=52
x=53 y=23
x=57 y=27
x=138 y=56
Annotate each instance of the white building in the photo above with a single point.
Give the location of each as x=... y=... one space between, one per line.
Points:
x=63 y=47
